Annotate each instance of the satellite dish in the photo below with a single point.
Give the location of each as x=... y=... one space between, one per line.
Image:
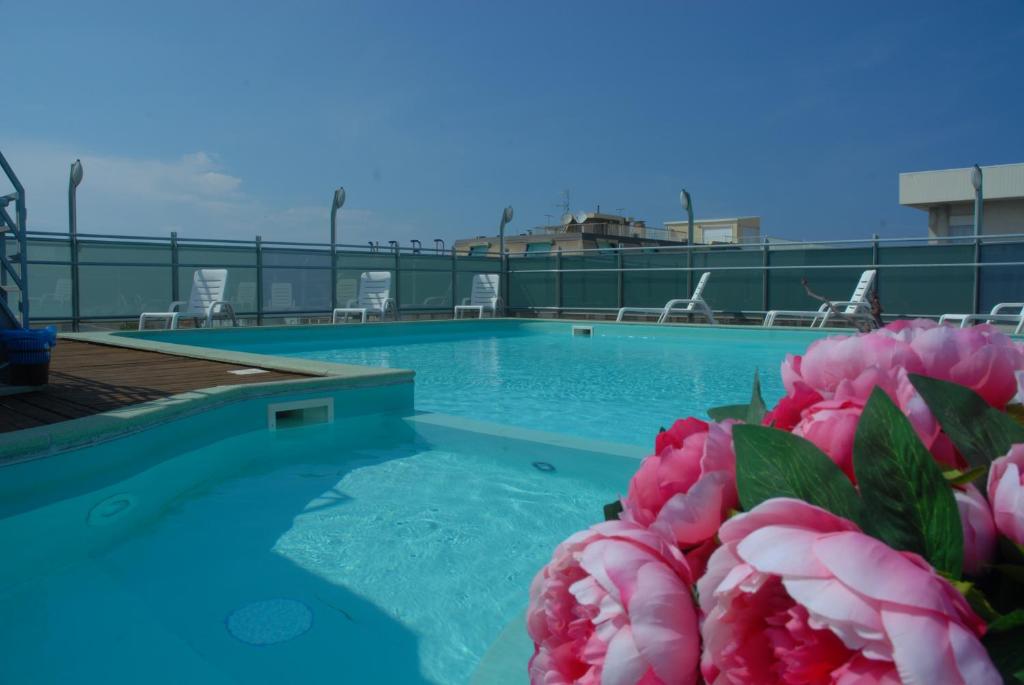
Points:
x=581 y=217
x=567 y=218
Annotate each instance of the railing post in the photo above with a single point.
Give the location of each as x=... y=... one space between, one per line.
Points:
x=619 y=263
x=874 y=263
x=765 y=264
x=689 y=269
x=174 y=266
x=398 y=284
x=454 y=280
x=558 y=283
x=259 y=280
x=76 y=307
x=977 y=274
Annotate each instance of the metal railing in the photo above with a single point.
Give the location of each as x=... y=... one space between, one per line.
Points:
x=925 y=276
x=13 y=268
x=98 y=277
x=94 y=277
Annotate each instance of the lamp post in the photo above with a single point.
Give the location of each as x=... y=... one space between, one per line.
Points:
x=684 y=200
x=506 y=218
x=687 y=203
x=976 y=180
x=336 y=203
x=74 y=180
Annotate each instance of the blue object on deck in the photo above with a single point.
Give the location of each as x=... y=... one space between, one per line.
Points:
x=28 y=346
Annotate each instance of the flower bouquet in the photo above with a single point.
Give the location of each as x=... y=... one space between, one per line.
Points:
x=869 y=528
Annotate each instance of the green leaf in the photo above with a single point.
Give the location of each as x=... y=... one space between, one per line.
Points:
x=910 y=505
x=1004 y=648
x=958 y=477
x=756 y=409
x=729 y=411
x=773 y=463
x=1014 y=619
x=979 y=431
x=976 y=598
x=612 y=510
x=1016 y=412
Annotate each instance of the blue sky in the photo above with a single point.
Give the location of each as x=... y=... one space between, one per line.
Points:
x=230 y=119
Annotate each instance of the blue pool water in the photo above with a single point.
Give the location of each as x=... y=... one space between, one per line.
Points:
x=398 y=561
x=393 y=546
x=618 y=388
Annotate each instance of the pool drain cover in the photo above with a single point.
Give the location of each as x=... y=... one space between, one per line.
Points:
x=543 y=466
x=270 y=622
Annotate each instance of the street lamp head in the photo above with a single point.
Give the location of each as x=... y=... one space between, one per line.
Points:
x=684 y=200
x=506 y=216
x=76 y=173
x=976 y=177
x=339 y=198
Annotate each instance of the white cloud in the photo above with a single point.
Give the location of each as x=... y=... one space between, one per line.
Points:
x=193 y=194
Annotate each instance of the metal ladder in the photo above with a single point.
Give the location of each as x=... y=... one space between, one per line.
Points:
x=14 y=267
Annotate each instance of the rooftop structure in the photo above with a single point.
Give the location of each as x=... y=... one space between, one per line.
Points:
x=741 y=229
x=948 y=197
x=585 y=230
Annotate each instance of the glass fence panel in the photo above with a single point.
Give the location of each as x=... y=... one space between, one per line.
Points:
x=527 y=289
x=913 y=291
x=423 y=262
x=240 y=292
x=1001 y=283
x=479 y=264
x=731 y=289
x=273 y=256
x=655 y=288
x=425 y=289
x=124 y=253
x=213 y=256
x=296 y=290
x=365 y=262
x=47 y=250
x=825 y=273
x=49 y=296
x=592 y=288
x=126 y=291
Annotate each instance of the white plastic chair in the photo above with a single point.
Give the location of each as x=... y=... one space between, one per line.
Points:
x=994 y=316
x=205 y=303
x=483 y=297
x=856 y=307
x=694 y=304
x=374 y=298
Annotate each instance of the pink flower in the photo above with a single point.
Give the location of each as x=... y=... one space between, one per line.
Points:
x=798 y=595
x=614 y=607
x=979 y=529
x=827 y=388
x=1006 y=493
x=685 y=490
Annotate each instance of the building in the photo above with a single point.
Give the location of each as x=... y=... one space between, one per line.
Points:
x=741 y=229
x=948 y=197
x=584 y=231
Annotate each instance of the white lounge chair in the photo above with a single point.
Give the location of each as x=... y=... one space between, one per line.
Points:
x=374 y=298
x=856 y=307
x=206 y=302
x=994 y=316
x=694 y=304
x=483 y=297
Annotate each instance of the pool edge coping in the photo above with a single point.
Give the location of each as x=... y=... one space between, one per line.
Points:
x=43 y=441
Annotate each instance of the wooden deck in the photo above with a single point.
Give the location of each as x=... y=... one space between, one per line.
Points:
x=87 y=379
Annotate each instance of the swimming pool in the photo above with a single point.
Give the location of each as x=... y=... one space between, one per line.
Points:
x=620 y=384
x=393 y=545
x=382 y=548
